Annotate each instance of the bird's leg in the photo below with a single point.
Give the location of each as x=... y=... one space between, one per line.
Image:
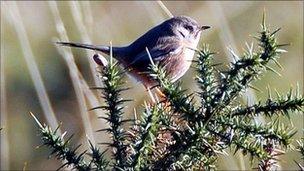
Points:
x=159 y=97
x=163 y=98
x=160 y=93
x=150 y=94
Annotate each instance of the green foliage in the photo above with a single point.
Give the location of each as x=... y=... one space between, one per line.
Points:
x=206 y=78
x=98 y=159
x=69 y=156
x=143 y=137
x=300 y=148
x=180 y=134
x=111 y=79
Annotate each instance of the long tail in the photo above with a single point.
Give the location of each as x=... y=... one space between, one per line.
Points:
x=104 y=49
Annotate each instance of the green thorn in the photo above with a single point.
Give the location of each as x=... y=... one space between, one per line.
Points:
x=273 y=70
x=278 y=64
x=36 y=120
x=254 y=88
x=264 y=20
x=111 y=54
x=269 y=92
x=278 y=94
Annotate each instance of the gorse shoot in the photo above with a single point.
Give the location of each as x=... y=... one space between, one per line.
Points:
x=180 y=133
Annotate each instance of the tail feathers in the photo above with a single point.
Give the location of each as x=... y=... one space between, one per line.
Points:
x=104 y=49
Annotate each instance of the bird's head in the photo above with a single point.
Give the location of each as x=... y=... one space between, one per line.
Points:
x=186 y=28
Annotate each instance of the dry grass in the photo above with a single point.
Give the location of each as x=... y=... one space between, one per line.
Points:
x=4 y=116
x=15 y=18
x=78 y=19
x=74 y=73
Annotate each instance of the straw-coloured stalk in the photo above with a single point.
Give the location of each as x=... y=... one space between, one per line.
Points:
x=3 y=121
x=165 y=9
x=17 y=21
x=78 y=19
x=73 y=71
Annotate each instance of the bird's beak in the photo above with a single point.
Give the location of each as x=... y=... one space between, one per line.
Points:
x=205 y=27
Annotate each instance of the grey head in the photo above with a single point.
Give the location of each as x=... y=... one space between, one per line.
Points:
x=171 y=31
x=185 y=27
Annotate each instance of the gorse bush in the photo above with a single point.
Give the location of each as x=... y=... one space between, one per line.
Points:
x=180 y=133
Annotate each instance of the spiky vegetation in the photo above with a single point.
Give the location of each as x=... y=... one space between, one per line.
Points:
x=179 y=133
x=111 y=78
x=68 y=155
x=300 y=149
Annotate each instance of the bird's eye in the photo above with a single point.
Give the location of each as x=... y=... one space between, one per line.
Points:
x=188 y=27
x=182 y=33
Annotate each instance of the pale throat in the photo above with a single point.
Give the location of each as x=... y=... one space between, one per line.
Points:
x=189 y=49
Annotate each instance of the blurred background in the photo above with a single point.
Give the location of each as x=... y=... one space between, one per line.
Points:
x=51 y=83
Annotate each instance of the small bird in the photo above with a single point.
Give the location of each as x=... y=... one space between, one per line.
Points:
x=171 y=44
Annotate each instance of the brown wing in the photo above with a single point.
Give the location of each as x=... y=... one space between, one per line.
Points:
x=159 y=53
